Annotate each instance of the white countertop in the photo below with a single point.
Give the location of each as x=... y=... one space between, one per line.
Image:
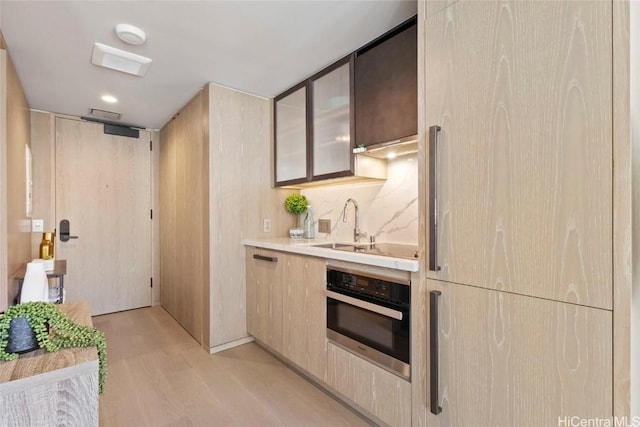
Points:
x=305 y=247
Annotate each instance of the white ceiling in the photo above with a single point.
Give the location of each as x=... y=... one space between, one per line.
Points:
x=260 y=47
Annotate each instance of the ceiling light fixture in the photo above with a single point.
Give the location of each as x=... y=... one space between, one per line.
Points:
x=130 y=34
x=119 y=60
x=110 y=99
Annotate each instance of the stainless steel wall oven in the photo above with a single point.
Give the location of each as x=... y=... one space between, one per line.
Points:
x=369 y=315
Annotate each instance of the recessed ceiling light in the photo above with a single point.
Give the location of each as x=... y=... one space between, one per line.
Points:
x=130 y=34
x=119 y=60
x=391 y=155
x=110 y=99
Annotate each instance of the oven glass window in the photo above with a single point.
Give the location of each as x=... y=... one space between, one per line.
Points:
x=358 y=322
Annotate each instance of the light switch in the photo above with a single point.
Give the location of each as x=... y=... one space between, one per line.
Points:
x=37 y=225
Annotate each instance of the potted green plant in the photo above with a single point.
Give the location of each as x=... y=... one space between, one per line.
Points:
x=53 y=331
x=296 y=204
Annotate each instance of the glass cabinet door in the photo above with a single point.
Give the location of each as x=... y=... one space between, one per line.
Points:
x=291 y=136
x=331 y=120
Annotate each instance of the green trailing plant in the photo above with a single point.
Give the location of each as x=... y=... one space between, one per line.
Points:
x=54 y=331
x=296 y=204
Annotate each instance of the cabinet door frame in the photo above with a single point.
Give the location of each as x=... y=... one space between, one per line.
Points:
x=350 y=59
x=303 y=85
x=308 y=87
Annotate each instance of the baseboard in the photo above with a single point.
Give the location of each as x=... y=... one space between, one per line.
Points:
x=231 y=344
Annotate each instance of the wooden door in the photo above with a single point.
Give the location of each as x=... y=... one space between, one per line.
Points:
x=513 y=360
x=522 y=93
x=103 y=187
x=265 y=283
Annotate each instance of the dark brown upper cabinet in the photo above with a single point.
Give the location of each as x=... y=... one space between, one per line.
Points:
x=331 y=121
x=386 y=87
x=366 y=98
x=314 y=127
x=291 y=132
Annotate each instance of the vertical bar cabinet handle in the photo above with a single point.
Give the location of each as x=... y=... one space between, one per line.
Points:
x=433 y=351
x=434 y=131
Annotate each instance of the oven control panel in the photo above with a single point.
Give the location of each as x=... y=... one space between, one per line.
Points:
x=375 y=287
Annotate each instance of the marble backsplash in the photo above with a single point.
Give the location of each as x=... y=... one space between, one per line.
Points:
x=388 y=210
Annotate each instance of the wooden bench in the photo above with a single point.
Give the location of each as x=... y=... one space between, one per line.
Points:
x=50 y=389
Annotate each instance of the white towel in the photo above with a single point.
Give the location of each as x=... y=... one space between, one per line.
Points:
x=35 y=286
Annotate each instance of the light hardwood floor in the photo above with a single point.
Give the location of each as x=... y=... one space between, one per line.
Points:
x=158 y=375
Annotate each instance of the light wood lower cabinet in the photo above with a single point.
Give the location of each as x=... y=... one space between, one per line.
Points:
x=514 y=360
x=377 y=391
x=286 y=306
x=305 y=319
x=286 y=311
x=265 y=284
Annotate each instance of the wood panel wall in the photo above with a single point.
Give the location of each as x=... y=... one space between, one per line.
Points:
x=155 y=225
x=15 y=134
x=240 y=196
x=184 y=212
x=43 y=152
x=4 y=276
x=419 y=308
x=626 y=261
x=207 y=209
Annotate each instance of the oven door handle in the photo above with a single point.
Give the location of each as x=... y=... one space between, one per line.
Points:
x=394 y=314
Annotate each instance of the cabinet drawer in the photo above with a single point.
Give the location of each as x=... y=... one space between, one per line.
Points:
x=377 y=391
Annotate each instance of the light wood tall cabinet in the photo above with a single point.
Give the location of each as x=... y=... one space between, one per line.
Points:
x=184 y=217
x=512 y=360
x=522 y=93
x=214 y=156
x=516 y=107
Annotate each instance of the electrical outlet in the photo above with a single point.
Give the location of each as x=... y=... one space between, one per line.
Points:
x=324 y=226
x=266 y=225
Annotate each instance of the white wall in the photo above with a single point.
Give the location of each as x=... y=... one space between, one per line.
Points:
x=388 y=210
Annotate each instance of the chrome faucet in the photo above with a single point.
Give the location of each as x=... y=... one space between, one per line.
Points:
x=356 y=230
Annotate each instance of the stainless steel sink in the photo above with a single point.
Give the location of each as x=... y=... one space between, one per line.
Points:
x=383 y=249
x=334 y=245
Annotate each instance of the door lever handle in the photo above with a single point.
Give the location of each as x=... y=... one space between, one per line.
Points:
x=65 y=235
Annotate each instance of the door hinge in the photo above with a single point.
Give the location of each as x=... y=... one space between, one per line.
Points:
x=150 y=145
x=151 y=213
x=151 y=280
